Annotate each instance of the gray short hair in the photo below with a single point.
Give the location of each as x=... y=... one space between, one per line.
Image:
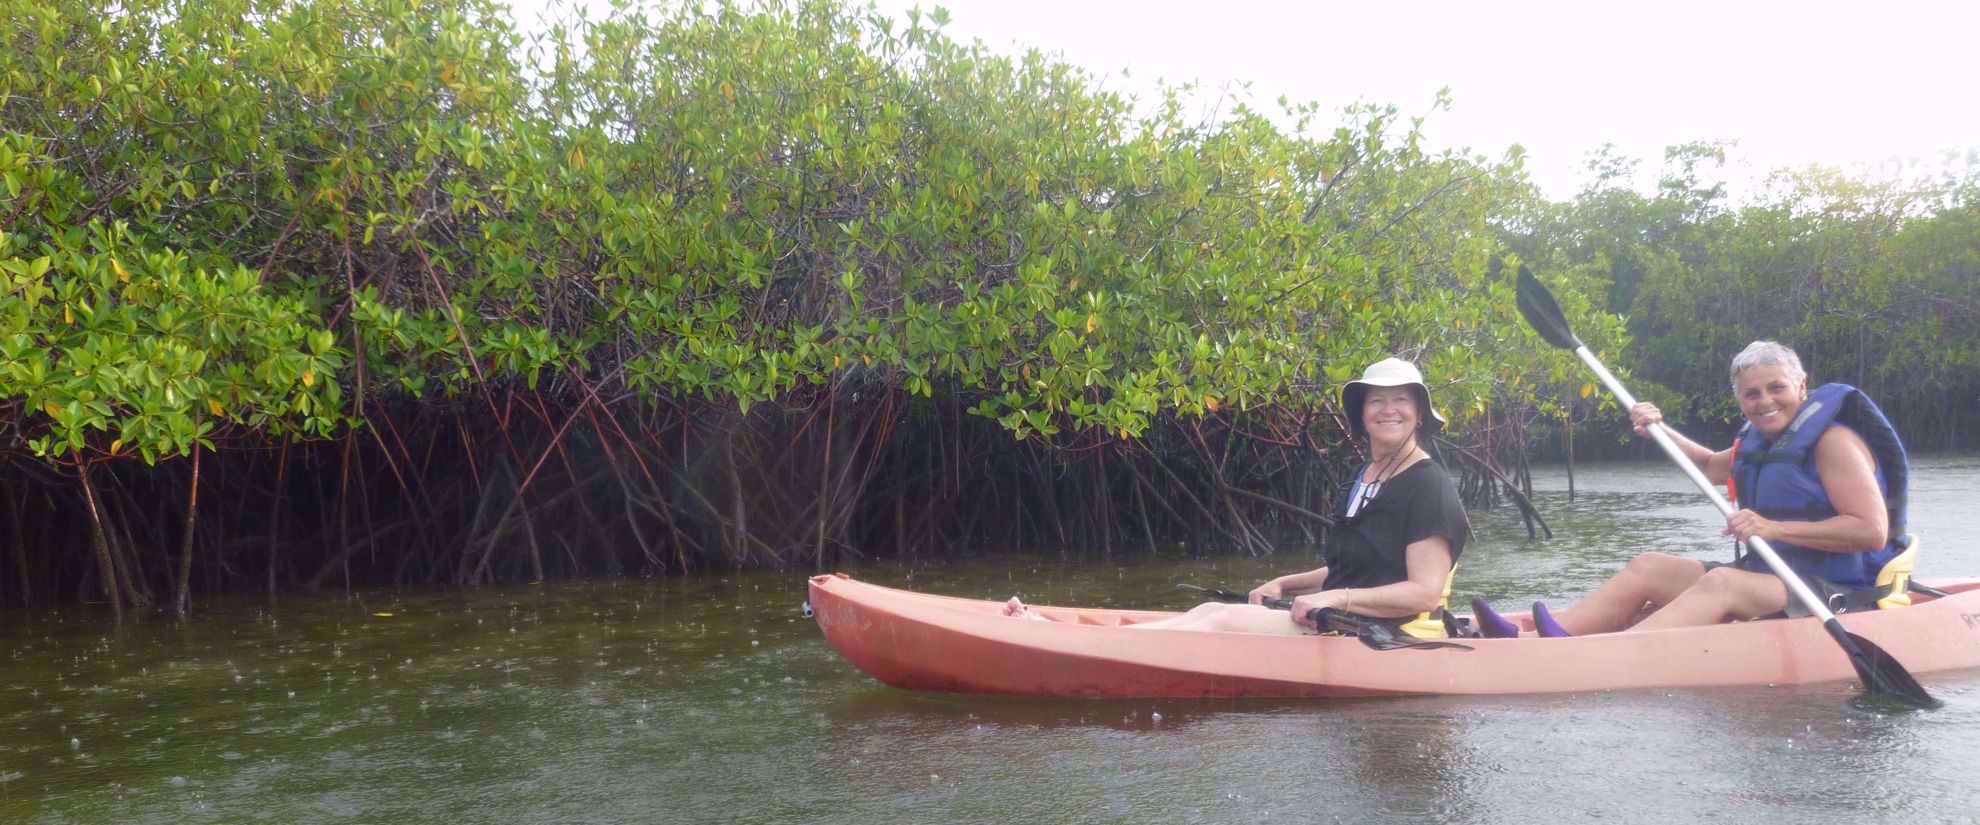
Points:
x=1768 y=354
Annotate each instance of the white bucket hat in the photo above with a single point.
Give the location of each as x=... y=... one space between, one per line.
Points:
x=1388 y=372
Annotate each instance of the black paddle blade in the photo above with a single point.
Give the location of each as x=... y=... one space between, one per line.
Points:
x=1214 y=593
x=1542 y=312
x=1881 y=675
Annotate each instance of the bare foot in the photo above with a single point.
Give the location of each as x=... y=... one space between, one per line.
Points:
x=1016 y=609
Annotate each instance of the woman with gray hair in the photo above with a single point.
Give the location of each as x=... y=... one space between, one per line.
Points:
x=1820 y=475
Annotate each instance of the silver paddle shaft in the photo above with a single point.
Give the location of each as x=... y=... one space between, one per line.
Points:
x=1794 y=583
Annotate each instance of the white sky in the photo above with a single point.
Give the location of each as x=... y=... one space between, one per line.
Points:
x=1793 y=82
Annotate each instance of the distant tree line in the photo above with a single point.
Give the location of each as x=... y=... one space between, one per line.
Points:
x=1874 y=279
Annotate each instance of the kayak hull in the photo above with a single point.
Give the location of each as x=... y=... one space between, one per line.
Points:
x=926 y=642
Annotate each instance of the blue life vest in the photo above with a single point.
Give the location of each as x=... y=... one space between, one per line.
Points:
x=1777 y=479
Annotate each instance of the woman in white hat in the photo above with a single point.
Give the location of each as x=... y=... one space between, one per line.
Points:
x=1401 y=526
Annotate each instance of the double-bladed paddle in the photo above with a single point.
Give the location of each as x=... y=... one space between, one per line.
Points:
x=1231 y=596
x=1879 y=673
x=1373 y=634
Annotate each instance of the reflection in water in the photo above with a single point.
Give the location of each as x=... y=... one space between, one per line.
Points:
x=710 y=700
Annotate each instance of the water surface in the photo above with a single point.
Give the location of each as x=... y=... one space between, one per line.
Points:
x=711 y=700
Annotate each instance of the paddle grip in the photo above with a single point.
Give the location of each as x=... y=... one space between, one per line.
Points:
x=1315 y=615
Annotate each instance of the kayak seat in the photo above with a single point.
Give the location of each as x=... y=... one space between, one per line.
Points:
x=1891 y=590
x=1894 y=580
x=1431 y=625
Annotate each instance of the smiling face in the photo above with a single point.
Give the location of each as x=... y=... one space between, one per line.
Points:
x=1769 y=398
x=1390 y=416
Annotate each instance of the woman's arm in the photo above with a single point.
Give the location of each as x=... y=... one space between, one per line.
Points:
x=1290 y=585
x=1717 y=466
x=1849 y=475
x=1429 y=563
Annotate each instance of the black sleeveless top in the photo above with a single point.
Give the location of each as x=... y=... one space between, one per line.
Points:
x=1370 y=548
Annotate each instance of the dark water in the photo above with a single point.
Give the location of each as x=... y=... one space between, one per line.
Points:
x=711 y=700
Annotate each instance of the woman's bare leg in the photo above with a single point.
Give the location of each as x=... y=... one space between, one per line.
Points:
x=1196 y=615
x=1724 y=593
x=1228 y=618
x=1648 y=582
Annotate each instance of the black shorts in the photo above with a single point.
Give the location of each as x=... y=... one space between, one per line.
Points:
x=1835 y=596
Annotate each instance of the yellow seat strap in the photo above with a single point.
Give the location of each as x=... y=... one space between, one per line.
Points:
x=1895 y=577
x=1431 y=625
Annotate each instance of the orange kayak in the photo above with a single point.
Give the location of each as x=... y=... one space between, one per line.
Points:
x=919 y=641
